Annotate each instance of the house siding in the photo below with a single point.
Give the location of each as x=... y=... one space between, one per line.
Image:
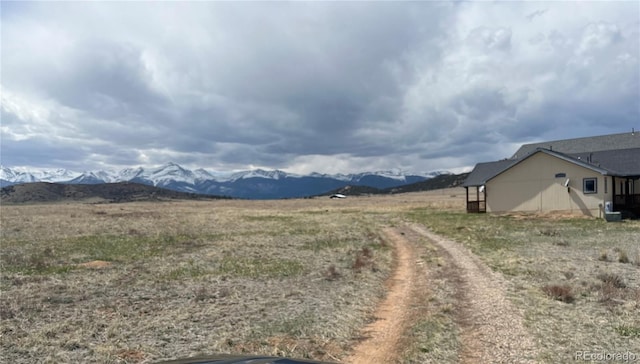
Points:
x=532 y=186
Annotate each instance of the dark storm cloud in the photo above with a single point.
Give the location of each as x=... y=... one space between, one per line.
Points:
x=40 y=152
x=332 y=87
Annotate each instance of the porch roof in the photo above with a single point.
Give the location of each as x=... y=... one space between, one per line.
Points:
x=485 y=171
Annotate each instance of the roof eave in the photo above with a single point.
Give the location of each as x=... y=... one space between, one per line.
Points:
x=557 y=155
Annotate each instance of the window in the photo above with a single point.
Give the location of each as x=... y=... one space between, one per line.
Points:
x=590 y=185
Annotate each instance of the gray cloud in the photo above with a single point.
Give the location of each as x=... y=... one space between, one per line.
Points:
x=330 y=87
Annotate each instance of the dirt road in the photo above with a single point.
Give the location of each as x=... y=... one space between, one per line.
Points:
x=492 y=329
x=382 y=337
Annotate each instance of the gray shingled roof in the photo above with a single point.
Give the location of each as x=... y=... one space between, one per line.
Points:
x=584 y=145
x=615 y=154
x=620 y=162
x=485 y=171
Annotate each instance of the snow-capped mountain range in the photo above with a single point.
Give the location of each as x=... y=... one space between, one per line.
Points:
x=254 y=184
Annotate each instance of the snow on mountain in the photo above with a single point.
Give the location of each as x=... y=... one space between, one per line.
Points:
x=393 y=174
x=338 y=176
x=261 y=173
x=57 y=175
x=268 y=184
x=165 y=174
x=7 y=174
x=128 y=174
x=21 y=175
x=107 y=176
x=174 y=172
x=171 y=172
x=203 y=174
x=93 y=177
x=433 y=174
x=255 y=173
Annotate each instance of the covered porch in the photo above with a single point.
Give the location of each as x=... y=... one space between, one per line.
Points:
x=476 y=200
x=475 y=184
x=626 y=195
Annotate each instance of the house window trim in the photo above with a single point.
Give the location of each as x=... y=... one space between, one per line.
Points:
x=595 y=185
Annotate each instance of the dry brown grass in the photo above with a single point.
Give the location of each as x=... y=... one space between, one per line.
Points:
x=143 y=281
x=138 y=282
x=547 y=259
x=561 y=293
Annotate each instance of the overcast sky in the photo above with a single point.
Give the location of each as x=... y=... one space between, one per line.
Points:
x=310 y=86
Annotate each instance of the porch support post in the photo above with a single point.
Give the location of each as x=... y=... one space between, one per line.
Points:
x=627 y=197
x=613 y=193
x=466 y=188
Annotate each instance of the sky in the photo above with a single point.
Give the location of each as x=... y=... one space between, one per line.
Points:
x=329 y=87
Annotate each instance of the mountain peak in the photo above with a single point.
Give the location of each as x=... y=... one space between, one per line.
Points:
x=255 y=184
x=170 y=165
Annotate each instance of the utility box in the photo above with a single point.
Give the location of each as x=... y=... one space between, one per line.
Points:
x=612 y=216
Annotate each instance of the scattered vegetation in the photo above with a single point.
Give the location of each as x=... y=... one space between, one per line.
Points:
x=294 y=277
x=604 y=256
x=622 y=257
x=364 y=258
x=561 y=293
x=259 y=268
x=147 y=281
x=611 y=279
x=561 y=248
x=332 y=273
x=628 y=331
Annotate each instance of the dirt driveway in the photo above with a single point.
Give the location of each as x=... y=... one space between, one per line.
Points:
x=492 y=329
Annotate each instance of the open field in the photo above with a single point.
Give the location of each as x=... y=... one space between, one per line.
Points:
x=140 y=282
x=576 y=280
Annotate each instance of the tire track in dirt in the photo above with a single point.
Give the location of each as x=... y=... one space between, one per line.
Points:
x=382 y=337
x=492 y=329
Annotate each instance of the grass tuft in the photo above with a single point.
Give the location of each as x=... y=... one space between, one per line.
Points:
x=628 y=331
x=561 y=293
x=622 y=257
x=247 y=267
x=332 y=273
x=326 y=243
x=604 y=256
x=364 y=258
x=612 y=279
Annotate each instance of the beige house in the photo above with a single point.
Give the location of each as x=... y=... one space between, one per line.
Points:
x=584 y=176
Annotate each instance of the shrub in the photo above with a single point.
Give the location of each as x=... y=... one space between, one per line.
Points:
x=359 y=263
x=603 y=256
x=622 y=257
x=561 y=293
x=332 y=273
x=363 y=259
x=612 y=279
x=200 y=294
x=610 y=289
